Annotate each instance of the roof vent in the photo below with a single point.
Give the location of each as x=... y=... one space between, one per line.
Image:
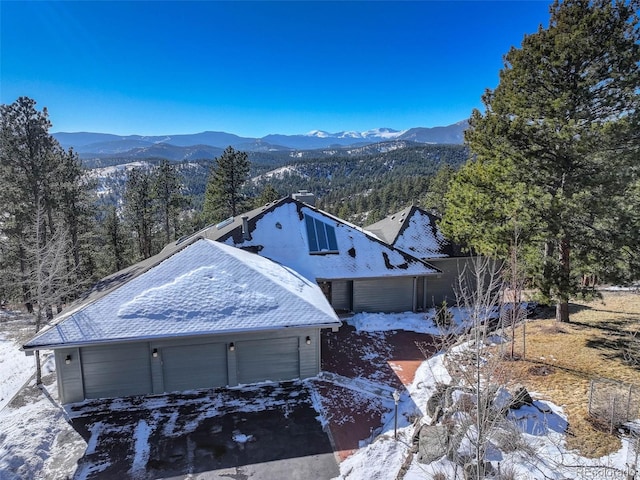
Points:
x=245 y=228
x=305 y=196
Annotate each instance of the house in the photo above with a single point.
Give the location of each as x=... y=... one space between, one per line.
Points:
x=200 y=314
x=357 y=271
x=415 y=231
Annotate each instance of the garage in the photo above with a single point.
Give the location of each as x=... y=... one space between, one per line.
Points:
x=276 y=359
x=116 y=370
x=383 y=295
x=205 y=316
x=194 y=366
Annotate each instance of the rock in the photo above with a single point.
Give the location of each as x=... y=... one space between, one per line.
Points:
x=433 y=443
x=471 y=470
x=435 y=401
x=512 y=398
x=521 y=398
x=462 y=401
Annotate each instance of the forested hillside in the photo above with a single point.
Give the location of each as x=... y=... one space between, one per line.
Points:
x=359 y=187
x=366 y=188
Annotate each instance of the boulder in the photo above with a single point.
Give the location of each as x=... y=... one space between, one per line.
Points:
x=433 y=443
x=521 y=397
x=435 y=401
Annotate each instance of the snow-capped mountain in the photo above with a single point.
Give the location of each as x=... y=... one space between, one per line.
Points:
x=90 y=145
x=379 y=134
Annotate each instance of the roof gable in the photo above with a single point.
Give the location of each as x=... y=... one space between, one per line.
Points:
x=205 y=288
x=388 y=228
x=279 y=232
x=415 y=231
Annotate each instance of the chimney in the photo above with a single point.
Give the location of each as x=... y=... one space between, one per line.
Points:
x=245 y=228
x=305 y=196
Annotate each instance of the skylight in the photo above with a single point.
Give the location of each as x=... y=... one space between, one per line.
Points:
x=322 y=237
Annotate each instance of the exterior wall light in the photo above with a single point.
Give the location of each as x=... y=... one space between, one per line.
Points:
x=154 y=354
x=308 y=340
x=232 y=347
x=67 y=359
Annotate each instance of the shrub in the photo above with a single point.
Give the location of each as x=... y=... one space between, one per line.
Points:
x=444 y=317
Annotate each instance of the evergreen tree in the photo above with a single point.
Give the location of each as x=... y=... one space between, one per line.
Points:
x=118 y=255
x=76 y=205
x=268 y=195
x=223 y=195
x=37 y=179
x=434 y=200
x=167 y=187
x=552 y=150
x=139 y=208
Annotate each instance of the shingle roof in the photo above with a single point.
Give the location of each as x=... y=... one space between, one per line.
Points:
x=277 y=231
x=415 y=231
x=204 y=288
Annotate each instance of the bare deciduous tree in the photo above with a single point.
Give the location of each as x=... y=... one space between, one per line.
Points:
x=46 y=274
x=472 y=407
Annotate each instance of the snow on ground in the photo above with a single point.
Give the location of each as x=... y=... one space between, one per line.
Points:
x=241 y=437
x=544 y=455
x=421 y=322
x=141 y=435
x=37 y=441
x=15 y=369
x=621 y=288
x=102 y=172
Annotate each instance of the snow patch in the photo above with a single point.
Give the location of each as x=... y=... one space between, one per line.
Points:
x=201 y=293
x=241 y=437
x=142 y=449
x=15 y=370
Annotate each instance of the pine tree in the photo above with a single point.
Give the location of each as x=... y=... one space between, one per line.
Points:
x=554 y=146
x=35 y=181
x=76 y=204
x=223 y=196
x=167 y=187
x=139 y=208
x=437 y=190
x=118 y=251
x=268 y=195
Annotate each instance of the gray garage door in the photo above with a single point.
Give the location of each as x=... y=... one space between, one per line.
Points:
x=273 y=359
x=383 y=295
x=116 y=370
x=189 y=367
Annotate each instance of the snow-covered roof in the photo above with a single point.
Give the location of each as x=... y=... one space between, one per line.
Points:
x=416 y=232
x=278 y=231
x=204 y=288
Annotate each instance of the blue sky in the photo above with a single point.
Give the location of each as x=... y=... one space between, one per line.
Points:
x=254 y=68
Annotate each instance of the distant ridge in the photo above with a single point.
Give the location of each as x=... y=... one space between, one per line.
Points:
x=210 y=144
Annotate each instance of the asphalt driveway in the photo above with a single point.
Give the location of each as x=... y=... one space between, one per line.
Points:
x=267 y=431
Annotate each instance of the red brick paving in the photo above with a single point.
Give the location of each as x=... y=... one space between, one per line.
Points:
x=390 y=358
x=352 y=416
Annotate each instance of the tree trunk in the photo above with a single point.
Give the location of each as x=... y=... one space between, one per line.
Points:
x=26 y=294
x=167 y=229
x=38 y=368
x=562 y=306
x=562 y=311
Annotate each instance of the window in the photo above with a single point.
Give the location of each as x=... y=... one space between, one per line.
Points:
x=322 y=237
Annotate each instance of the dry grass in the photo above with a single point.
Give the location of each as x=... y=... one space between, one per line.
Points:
x=561 y=359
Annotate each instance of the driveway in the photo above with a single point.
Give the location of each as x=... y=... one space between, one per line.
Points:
x=264 y=431
x=267 y=431
x=365 y=368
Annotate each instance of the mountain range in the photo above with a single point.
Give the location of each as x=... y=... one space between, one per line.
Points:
x=211 y=144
